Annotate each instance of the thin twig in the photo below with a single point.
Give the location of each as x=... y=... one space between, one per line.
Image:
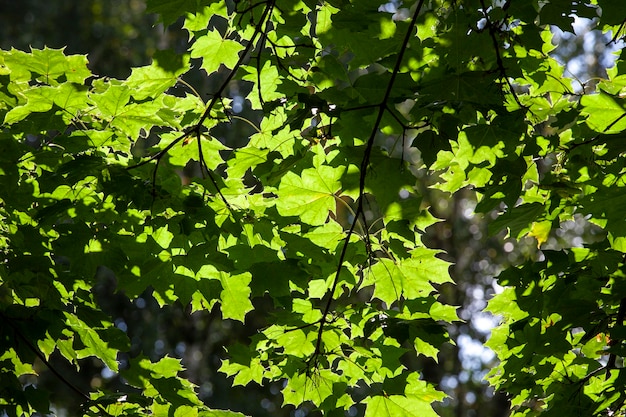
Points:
x=157 y=156
x=196 y=129
x=204 y=167
x=619 y=320
x=249 y=8
x=257 y=31
x=598 y=136
x=382 y=107
x=617 y=33
x=47 y=363
x=499 y=61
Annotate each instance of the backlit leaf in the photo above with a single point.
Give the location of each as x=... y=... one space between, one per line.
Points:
x=215 y=51
x=311 y=195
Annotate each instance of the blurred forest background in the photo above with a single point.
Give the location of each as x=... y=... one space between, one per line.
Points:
x=117 y=35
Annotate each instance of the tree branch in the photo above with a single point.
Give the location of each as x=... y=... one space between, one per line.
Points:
x=499 y=61
x=47 y=363
x=196 y=129
x=619 y=320
x=382 y=107
x=616 y=36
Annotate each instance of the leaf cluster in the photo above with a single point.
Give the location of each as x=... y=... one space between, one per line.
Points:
x=320 y=209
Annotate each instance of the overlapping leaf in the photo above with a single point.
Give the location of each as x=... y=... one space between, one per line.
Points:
x=148 y=183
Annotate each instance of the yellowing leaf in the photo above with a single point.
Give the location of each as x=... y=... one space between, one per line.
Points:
x=540 y=231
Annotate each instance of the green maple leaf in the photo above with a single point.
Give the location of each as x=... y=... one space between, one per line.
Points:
x=111 y=102
x=136 y=116
x=156 y=78
x=165 y=368
x=244 y=374
x=315 y=387
x=409 y=278
x=50 y=65
x=605 y=113
x=245 y=159
x=235 y=295
x=294 y=342
x=42 y=99
x=327 y=236
x=94 y=345
x=416 y=401
x=397 y=406
x=195 y=22
x=269 y=81
x=311 y=196
x=63 y=198
x=37 y=100
x=215 y=51
x=71 y=100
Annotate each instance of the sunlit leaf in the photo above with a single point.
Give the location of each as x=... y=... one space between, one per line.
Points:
x=311 y=195
x=215 y=51
x=605 y=113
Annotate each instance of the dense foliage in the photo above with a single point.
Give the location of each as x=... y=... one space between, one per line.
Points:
x=316 y=220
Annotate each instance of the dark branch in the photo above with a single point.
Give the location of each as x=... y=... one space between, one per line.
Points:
x=617 y=33
x=360 y=211
x=619 y=320
x=196 y=129
x=496 y=46
x=47 y=363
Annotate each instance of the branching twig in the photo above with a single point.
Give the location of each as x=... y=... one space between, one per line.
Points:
x=617 y=33
x=204 y=168
x=196 y=129
x=257 y=31
x=363 y=107
x=611 y=362
x=282 y=66
x=598 y=136
x=619 y=320
x=499 y=61
x=157 y=157
x=403 y=125
x=249 y=8
x=47 y=363
x=360 y=211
